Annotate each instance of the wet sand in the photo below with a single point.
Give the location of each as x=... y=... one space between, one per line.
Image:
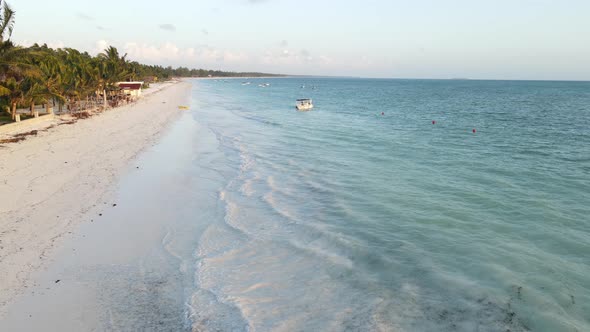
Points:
x=129 y=268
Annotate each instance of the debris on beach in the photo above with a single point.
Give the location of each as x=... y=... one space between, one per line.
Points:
x=19 y=137
x=28 y=133
x=66 y=122
x=81 y=115
x=11 y=140
x=22 y=136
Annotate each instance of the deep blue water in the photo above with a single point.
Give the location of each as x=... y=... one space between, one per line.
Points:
x=342 y=218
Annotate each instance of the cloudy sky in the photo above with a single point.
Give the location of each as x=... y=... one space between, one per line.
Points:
x=496 y=39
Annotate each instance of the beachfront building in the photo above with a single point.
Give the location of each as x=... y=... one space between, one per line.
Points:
x=130 y=89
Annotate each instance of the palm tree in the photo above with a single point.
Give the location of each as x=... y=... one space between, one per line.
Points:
x=43 y=84
x=50 y=66
x=114 y=69
x=6 y=21
x=17 y=86
x=135 y=70
x=73 y=77
x=20 y=75
x=12 y=90
x=9 y=56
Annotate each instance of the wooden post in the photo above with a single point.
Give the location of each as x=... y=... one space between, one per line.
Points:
x=17 y=117
x=13 y=112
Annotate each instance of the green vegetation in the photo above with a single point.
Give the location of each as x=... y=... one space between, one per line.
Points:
x=37 y=75
x=185 y=72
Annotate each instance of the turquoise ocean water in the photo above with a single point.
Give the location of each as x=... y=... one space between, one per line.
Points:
x=346 y=219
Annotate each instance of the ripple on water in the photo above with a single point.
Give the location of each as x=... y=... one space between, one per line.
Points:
x=341 y=219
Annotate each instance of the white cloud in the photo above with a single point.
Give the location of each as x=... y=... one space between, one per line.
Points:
x=170 y=53
x=168 y=27
x=366 y=60
x=291 y=57
x=51 y=44
x=275 y=59
x=85 y=17
x=100 y=46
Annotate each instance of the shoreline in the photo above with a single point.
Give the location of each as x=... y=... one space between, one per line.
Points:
x=58 y=179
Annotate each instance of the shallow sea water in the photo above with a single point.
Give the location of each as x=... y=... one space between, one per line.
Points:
x=344 y=218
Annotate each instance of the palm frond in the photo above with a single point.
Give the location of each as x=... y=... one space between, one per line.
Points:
x=7 y=22
x=4 y=91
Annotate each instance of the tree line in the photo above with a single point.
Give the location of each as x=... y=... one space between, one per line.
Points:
x=38 y=74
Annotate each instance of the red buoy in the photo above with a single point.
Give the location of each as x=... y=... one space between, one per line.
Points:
x=473 y=130
x=433 y=122
x=382 y=113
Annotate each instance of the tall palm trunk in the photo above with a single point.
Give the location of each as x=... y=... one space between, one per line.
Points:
x=104 y=99
x=13 y=110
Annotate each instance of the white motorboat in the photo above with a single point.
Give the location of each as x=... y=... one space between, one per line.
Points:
x=304 y=104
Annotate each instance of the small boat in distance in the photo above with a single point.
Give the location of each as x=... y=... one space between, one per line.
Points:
x=304 y=104
x=245 y=83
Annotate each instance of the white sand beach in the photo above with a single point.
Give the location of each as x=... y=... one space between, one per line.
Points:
x=52 y=182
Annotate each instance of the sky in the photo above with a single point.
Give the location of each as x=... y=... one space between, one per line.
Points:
x=479 y=39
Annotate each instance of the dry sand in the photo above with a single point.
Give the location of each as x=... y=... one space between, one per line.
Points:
x=52 y=182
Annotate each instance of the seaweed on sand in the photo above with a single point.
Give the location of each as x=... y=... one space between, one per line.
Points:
x=19 y=137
